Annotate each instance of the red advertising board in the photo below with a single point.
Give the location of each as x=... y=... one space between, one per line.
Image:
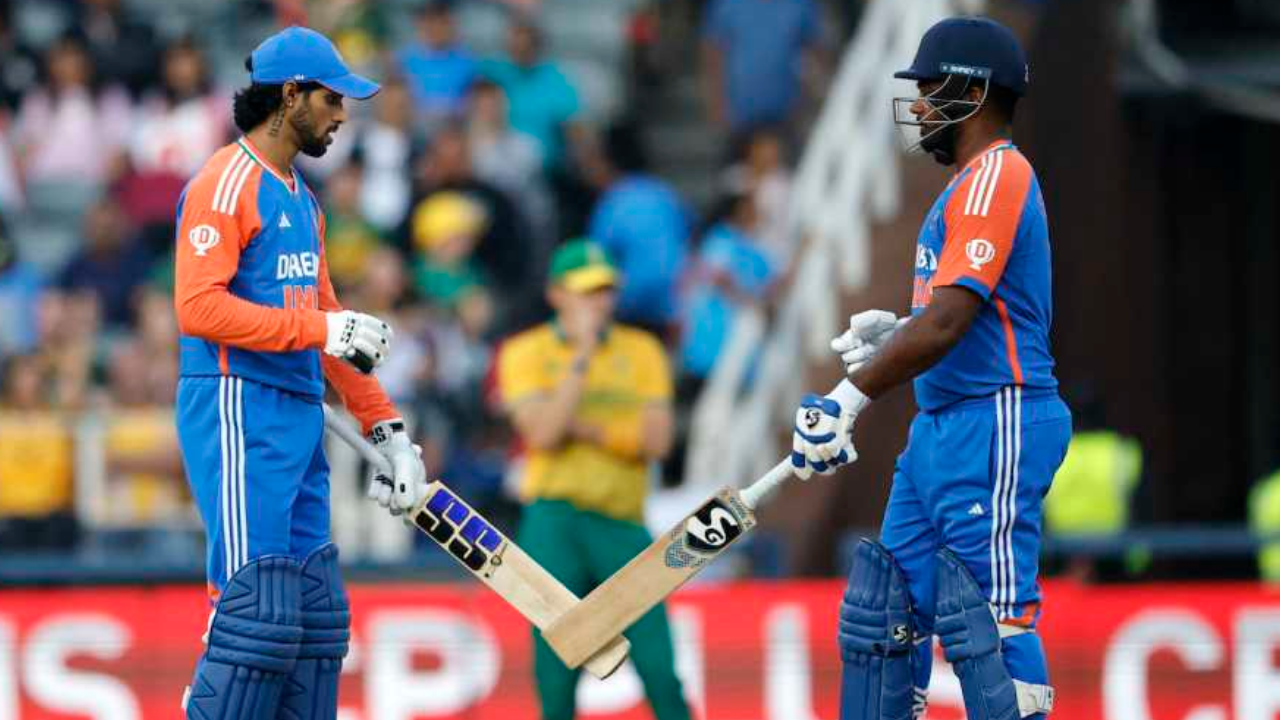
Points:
x=745 y=651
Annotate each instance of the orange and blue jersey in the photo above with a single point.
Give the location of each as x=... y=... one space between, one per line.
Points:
x=988 y=232
x=252 y=284
x=992 y=431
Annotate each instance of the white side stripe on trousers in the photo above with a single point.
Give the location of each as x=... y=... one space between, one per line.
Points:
x=235 y=534
x=1004 y=582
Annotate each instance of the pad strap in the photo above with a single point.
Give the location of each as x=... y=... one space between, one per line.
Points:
x=1033 y=698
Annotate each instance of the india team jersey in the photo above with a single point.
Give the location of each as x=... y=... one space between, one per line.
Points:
x=988 y=232
x=252 y=285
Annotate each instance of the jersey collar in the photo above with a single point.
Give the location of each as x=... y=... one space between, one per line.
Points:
x=1000 y=144
x=291 y=183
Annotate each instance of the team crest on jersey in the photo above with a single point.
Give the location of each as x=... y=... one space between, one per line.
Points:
x=980 y=252
x=203 y=238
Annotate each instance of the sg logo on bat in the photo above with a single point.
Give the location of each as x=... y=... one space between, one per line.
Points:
x=711 y=528
x=461 y=531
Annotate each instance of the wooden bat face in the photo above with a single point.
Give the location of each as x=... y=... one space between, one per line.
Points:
x=503 y=566
x=650 y=577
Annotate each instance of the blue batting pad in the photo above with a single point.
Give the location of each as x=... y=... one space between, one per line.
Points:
x=971 y=643
x=876 y=636
x=253 y=644
x=311 y=692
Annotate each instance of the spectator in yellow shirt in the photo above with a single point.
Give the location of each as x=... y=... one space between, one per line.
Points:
x=36 y=470
x=591 y=402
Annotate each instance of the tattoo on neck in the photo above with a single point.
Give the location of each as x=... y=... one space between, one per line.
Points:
x=276 y=123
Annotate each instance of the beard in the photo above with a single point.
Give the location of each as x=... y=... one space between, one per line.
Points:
x=940 y=143
x=312 y=141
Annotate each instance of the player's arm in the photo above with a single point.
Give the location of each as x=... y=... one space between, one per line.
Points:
x=363 y=396
x=648 y=433
x=207 y=256
x=215 y=228
x=544 y=418
x=920 y=343
x=982 y=218
x=542 y=407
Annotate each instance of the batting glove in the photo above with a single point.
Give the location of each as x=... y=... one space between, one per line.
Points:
x=362 y=340
x=409 y=484
x=823 y=437
x=868 y=331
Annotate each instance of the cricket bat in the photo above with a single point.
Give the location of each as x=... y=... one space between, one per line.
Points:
x=488 y=554
x=664 y=566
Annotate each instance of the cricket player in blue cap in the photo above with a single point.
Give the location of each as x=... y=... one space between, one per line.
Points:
x=261 y=332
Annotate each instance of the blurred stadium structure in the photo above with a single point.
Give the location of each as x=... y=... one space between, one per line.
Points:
x=1151 y=122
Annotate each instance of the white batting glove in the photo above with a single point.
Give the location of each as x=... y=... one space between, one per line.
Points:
x=868 y=332
x=823 y=436
x=362 y=340
x=409 y=484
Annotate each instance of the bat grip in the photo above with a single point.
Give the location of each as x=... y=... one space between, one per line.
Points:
x=756 y=492
x=352 y=437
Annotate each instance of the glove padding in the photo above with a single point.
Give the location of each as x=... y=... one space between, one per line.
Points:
x=362 y=340
x=822 y=439
x=400 y=493
x=868 y=332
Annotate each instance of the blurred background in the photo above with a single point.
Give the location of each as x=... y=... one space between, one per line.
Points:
x=667 y=130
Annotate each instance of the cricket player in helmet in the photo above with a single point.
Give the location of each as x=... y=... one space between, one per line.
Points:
x=958 y=550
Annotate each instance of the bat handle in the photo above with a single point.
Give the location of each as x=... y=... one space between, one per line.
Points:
x=756 y=492
x=352 y=437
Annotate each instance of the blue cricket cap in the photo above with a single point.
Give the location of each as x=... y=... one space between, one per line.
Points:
x=972 y=46
x=304 y=55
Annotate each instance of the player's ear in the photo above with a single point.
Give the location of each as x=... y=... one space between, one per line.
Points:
x=290 y=95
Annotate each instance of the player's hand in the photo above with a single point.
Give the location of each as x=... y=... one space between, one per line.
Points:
x=362 y=340
x=409 y=484
x=868 y=332
x=823 y=436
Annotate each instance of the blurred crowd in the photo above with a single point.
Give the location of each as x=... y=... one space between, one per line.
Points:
x=445 y=196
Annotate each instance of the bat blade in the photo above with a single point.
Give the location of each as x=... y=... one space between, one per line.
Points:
x=650 y=577
x=499 y=563
x=486 y=553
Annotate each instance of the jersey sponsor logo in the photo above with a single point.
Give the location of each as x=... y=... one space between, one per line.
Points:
x=461 y=531
x=203 y=238
x=284 y=221
x=291 y=266
x=926 y=259
x=976 y=510
x=711 y=528
x=980 y=252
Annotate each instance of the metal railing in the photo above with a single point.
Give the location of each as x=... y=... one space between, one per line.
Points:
x=849 y=177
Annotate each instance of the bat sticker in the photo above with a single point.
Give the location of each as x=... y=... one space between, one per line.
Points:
x=712 y=527
x=461 y=531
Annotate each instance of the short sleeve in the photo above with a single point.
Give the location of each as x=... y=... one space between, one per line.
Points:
x=982 y=219
x=520 y=371
x=653 y=382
